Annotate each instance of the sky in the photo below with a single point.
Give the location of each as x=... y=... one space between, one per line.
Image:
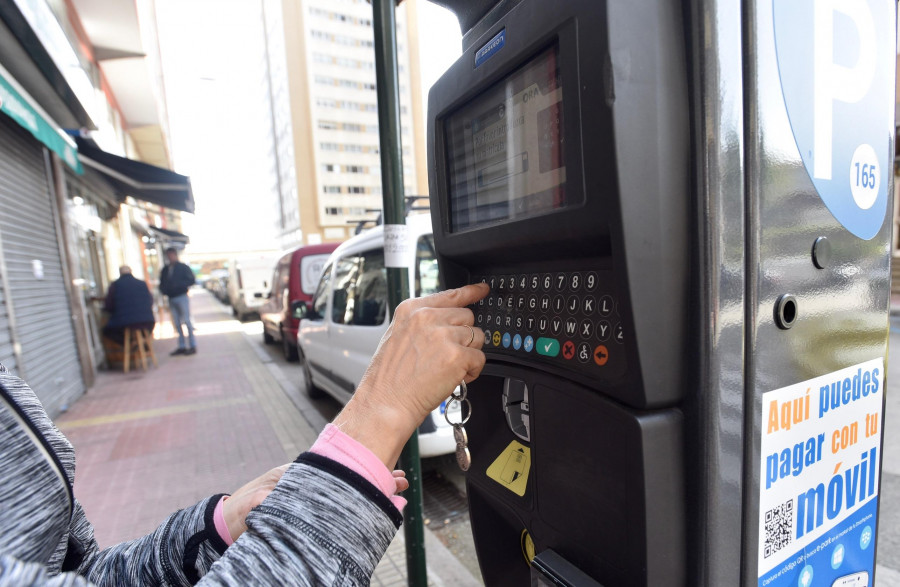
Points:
x=213 y=89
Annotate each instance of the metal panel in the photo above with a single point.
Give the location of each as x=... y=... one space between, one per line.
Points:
x=7 y=355
x=34 y=272
x=842 y=309
x=715 y=415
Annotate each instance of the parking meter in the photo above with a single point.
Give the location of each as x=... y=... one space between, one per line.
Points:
x=682 y=210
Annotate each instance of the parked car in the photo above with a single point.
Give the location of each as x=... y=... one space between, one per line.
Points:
x=294 y=282
x=248 y=284
x=344 y=322
x=218 y=284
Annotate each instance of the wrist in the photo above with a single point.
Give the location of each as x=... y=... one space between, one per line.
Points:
x=220 y=522
x=234 y=521
x=379 y=426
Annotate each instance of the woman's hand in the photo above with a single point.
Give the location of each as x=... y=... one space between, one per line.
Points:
x=430 y=346
x=236 y=507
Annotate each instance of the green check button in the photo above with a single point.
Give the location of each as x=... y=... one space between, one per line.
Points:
x=549 y=347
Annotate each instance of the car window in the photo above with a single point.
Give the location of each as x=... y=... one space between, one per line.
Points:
x=279 y=279
x=284 y=275
x=320 y=301
x=275 y=288
x=344 y=290
x=370 y=308
x=427 y=276
x=310 y=270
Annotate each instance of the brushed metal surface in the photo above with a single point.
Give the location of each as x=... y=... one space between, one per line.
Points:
x=715 y=406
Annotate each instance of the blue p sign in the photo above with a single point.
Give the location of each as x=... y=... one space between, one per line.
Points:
x=836 y=60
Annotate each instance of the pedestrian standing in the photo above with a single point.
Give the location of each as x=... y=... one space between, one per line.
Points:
x=174 y=281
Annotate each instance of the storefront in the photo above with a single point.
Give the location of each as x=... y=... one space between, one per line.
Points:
x=90 y=220
x=37 y=335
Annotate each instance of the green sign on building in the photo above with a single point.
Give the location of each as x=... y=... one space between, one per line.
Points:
x=16 y=107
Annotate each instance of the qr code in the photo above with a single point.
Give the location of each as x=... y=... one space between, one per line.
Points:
x=779 y=525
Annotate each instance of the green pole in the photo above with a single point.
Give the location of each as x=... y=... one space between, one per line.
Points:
x=394 y=214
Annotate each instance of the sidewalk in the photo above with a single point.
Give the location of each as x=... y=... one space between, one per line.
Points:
x=150 y=443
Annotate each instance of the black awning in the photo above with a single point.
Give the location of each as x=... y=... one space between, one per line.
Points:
x=141 y=181
x=170 y=235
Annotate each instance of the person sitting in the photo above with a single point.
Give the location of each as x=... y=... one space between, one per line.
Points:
x=130 y=305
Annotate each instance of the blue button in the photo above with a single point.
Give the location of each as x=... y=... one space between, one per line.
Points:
x=507 y=340
x=517 y=341
x=549 y=347
x=528 y=344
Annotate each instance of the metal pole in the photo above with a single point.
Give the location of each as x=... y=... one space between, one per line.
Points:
x=396 y=257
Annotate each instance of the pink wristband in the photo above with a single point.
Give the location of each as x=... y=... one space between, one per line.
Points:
x=337 y=446
x=219 y=521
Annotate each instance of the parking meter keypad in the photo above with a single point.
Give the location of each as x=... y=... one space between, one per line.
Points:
x=565 y=318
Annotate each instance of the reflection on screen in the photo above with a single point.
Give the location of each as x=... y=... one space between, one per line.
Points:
x=505 y=148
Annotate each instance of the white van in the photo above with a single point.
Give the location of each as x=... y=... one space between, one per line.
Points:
x=349 y=313
x=248 y=283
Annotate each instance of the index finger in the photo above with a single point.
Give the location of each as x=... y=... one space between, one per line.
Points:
x=453 y=298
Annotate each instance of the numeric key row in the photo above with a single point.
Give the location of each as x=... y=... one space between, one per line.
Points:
x=574 y=282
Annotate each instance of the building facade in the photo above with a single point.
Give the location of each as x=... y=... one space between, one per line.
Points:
x=325 y=115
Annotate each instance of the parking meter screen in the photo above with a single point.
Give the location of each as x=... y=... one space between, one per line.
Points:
x=506 y=148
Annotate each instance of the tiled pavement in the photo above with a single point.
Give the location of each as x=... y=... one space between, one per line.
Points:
x=150 y=443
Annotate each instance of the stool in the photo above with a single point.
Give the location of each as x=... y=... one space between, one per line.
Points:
x=144 y=341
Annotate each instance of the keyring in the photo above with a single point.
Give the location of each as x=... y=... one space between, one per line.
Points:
x=468 y=414
x=463 y=391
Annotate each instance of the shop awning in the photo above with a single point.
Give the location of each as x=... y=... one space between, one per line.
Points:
x=139 y=180
x=170 y=235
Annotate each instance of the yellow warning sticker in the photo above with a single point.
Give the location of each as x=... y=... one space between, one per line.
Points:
x=511 y=468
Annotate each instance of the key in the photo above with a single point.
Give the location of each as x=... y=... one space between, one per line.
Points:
x=463 y=458
x=460 y=435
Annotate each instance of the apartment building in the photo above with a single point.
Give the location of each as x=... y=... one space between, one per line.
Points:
x=325 y=115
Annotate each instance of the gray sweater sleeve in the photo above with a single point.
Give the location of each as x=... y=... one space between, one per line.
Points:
x=178 y=552
x=323 y=524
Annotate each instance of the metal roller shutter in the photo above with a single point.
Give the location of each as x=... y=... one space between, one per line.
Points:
x=28 y=232
x=7 y=356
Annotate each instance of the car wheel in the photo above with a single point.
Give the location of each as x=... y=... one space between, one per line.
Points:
x=310 y=388
x=267 y=338
x=289 y=350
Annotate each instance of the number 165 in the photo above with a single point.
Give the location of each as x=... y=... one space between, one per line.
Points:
x=868 y=175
